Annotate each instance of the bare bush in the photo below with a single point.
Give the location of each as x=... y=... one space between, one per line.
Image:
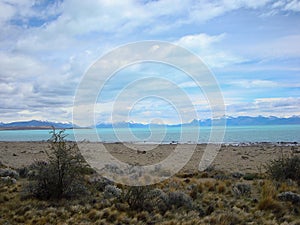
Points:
x=61 y=176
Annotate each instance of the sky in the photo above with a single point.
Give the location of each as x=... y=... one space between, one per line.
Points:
x=251 y=47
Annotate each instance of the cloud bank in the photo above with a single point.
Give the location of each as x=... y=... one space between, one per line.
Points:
x=252 y=47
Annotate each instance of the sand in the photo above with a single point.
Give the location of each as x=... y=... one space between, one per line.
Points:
x=249 y=158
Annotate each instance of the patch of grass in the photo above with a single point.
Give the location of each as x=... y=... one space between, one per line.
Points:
x=221 y=187
x=269 y=203
x=224 y=219
x=284 y=187
x=268 y=190
x=94 y=215
x=268 y=199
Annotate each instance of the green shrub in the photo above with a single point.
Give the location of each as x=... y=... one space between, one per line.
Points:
x=285 y=168
x=250 y=176
x=61 y=176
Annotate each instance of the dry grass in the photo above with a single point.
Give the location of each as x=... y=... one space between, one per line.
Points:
x=269 y=190
x=221 y=188
x=212 y=203
x=269 y=203
x=268 y=199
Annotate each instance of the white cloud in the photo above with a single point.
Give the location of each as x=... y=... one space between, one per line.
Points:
x=203 y=45
x=293 y=5
x=281 y=107
x=254 y=83
x=287 y=5
x=6 y=12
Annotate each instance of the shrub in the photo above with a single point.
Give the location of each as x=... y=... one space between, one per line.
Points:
x=144 y=198
x=100 y=182
x=159 y=199
x=7 y=181
x=241 y=189
x=111 y=191
x=137 y=197
x=289 y=196
x=7 y=172
x=285 y=168
x=250 y=176
x=23 y=172
x=61 y=176
x=179 y=199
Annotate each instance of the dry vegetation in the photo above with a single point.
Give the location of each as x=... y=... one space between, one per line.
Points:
x=210 y=197
x=176 y=201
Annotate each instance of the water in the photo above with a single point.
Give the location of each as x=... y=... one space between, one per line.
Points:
x=234 y=134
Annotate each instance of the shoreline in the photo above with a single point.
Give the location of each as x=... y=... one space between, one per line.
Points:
x=236 y=144
x=231 y=158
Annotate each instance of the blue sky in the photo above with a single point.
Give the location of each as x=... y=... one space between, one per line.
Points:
x=252 y=47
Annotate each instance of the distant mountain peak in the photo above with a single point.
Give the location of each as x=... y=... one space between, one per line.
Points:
x=36 y=124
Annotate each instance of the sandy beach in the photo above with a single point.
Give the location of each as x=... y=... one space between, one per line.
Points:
x=249 y=158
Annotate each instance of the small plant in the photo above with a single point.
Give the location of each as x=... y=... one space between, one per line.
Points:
x=111 y=191
x=7 y=181
x=241 y=189
x=250 y=176
x=289 y=196
x=179 y=199
x=7 y=172
x=61 y=176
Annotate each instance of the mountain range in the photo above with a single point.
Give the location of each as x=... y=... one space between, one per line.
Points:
x=35 y=124
x=230 y=121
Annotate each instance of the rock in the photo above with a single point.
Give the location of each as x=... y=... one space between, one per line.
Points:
x=290 y=197
x=141 y=152
x=244 y=157
x=295 y=149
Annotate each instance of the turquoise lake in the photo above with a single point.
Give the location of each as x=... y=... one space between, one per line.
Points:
x=233 y=134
